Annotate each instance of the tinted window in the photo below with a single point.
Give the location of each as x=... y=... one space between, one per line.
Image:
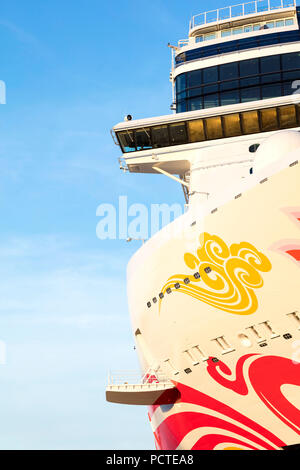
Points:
x=210 y=89
x=195 y=78
x=249 y=67
x=210 y=101
x=127 y=141
x=181 y=83
x=181 y=107
x=271 y=78
x=229 y=71
x=160 y=136
x=253 y=79
x=269 y=119
x=270 y=91
x=178 y=133
x=229 y=85
x=230 y=97
x=250 y=94
x=291 y=75
x=291 y=61
x=142 y=139
x=241 y=44
x=210 y=75
x=194 y=92
x=228 y=125
x=270 y=64
x=244 y=82
x=195 y=103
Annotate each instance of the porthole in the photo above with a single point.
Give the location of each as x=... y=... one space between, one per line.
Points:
x=253 y=148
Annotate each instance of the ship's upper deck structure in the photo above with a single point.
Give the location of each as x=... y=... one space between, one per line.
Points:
x=238 y=21
x=210 y=68
x=236 y=79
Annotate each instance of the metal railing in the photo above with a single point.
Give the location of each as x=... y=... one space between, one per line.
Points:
x=135 y=378
x=243 y=9
x=183 y=42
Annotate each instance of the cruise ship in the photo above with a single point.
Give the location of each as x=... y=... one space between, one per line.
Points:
x=214 y=296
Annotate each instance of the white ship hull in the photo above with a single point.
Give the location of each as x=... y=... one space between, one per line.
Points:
x=230 y=340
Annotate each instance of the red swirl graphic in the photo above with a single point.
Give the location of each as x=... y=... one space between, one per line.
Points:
x=267 y=374
x=295 y=253
x=175 y=427
x=239 y=384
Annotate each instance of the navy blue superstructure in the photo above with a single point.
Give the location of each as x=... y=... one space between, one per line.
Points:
x=239 y=81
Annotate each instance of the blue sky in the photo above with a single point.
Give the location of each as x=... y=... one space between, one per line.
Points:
x=73 y=70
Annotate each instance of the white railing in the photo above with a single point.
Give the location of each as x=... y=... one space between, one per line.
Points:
x=135 y=378
x=243 y=9
x=183 y=42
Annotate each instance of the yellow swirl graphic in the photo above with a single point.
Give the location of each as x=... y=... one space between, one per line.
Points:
x=228 y=275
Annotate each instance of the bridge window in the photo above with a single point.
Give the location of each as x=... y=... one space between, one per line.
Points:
x=160 y=136
x=250 y=122
x=287 y=117
x=196 y=130
x=127 y=141
x=269 y=120
x=178 y=133
x=210 y=128
x=232 y=125
x=214 y=128
x=143 y=139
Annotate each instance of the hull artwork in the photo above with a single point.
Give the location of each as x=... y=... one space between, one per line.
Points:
x=233 y=333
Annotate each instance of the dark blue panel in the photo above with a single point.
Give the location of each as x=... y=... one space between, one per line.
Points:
x=240 y=44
